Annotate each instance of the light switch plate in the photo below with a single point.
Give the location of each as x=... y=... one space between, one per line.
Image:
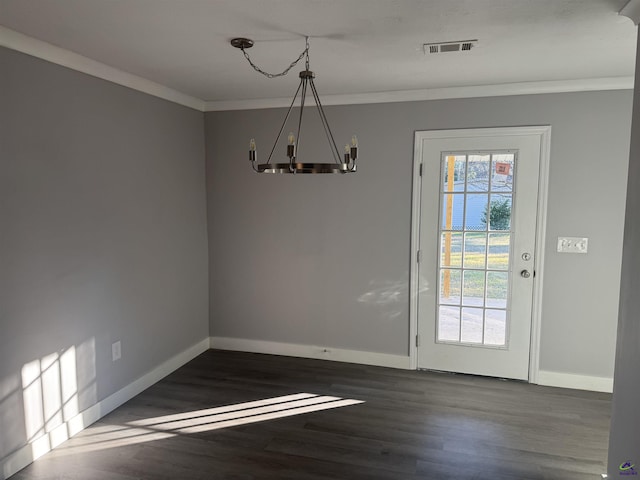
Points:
x=573 y=244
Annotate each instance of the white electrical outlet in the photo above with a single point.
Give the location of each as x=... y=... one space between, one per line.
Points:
x=116 y=351
x=573 y=244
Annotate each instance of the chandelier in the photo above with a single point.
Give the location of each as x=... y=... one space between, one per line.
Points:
x=341 y=164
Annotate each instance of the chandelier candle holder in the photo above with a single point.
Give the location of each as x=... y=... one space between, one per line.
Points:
x=340 y=164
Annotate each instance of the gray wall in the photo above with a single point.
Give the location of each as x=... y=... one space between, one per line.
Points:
x=324 y=260
x=624 y=438
x=102 y=238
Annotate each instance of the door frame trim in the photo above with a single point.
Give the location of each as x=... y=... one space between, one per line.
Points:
x=544 y=131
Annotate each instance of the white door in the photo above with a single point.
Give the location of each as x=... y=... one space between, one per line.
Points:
x=478 y=210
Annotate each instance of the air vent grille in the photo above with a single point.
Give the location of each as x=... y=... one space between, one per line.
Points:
x=446 y=47
x=449 y=47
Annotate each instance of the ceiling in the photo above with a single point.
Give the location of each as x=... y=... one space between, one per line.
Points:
x=357 y=46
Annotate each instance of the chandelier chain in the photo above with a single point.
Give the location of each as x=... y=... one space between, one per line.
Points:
x=286 y=70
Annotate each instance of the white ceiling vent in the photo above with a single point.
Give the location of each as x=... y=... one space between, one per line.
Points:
x=443 y=47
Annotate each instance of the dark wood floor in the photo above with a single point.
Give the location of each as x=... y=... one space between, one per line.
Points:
x=412 y=425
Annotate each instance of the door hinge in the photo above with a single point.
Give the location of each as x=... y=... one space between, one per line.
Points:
x=417 y=340
x=419 y=256
x=421 y=169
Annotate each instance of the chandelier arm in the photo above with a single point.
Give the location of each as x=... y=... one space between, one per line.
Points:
x=285 y=122
x=328 y=135
x=325 y=123
x=303 y=96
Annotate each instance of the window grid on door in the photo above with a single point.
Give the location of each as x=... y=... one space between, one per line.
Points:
x=474 y=248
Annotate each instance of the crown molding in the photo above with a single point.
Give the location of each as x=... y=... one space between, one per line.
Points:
x=632 y=10
x=500 y=90
x=60 y=56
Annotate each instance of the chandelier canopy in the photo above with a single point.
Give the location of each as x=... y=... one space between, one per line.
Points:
x=341 y=164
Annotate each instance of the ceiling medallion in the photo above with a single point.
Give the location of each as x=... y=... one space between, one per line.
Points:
x=340 y=164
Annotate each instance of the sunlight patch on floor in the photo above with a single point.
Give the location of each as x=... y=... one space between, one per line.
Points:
x=158 y=428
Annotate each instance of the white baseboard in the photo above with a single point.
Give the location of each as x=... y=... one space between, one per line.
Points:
x=30 y=452
x=578 y=382
x=311 y=351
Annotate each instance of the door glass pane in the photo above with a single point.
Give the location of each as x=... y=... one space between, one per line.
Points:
x=499 y=245
x=451 y=249
x=449 y=324
x=502 y=172
x=454 y=173
x=452 y=211
x=450 y=281
x=500 y=212
x=475 y=212
x=471 y=326
x=495 y=327
x=475 y=250
x=475 y=241
x=478 y=173
x=473 y=287
x=497 y=288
